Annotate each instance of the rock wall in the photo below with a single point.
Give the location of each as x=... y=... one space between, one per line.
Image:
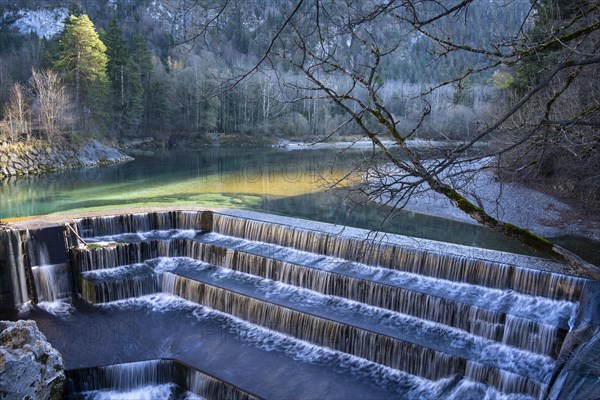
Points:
x=39 y=157
x=30 y=368
x=579 y=377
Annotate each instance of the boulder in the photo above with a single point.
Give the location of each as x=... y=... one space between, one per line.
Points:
x=95 y=153
x=30 y=368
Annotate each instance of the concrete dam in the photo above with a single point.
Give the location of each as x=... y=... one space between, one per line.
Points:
x=242 y=305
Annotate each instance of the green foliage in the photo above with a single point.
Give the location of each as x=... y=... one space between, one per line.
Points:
x=549 y=15
x=142 y=56
x=125 y=78
x=75 y=9
x=82 y=61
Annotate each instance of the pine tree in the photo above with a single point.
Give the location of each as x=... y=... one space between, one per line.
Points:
x=75 y=9
x=126 y=94
x=82 y=61
x=142 y=57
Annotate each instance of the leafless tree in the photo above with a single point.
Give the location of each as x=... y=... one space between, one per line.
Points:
x=52 y=106
x=17 y=114
x=318 y=29
x=312 y=40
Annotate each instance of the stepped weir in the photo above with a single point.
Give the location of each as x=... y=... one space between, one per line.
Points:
x=199 y=304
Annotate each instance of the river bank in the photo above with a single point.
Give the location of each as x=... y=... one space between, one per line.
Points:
x=36 y=157
x=512 y=202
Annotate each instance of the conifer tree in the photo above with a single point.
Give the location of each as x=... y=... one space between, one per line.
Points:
x=125 y=83
x=82 y=61
x=152 y=101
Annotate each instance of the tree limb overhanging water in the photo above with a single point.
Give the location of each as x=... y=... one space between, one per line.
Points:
x=314 y=39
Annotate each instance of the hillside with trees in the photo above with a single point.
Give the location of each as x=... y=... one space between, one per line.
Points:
x=168 y=65
x=505 y=74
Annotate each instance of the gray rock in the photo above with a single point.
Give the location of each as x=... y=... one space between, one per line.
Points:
x=29 y=366
x=94 y=153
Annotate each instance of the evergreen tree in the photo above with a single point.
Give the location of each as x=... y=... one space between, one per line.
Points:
x=125 y=83
x=158 y=109
x=142 y=57
x=75 y=9
x=82 y=61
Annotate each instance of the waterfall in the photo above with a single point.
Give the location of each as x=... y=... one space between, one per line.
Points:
x=144 y=222
x=154 y=373
x=419 y=261
x=52 y=281
x=211 y=388
x=118 y=289
x=417 y=307
x=494 y=324
x=380 y=348
x=122 y=376
x=16 y=265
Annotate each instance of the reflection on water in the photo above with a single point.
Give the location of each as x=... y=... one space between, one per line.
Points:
x=226 y=178
x=292 y=183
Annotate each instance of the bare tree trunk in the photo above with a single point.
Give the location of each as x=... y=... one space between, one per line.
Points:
x=78 y=109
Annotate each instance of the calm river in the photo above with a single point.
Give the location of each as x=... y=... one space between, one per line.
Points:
x=276 y=181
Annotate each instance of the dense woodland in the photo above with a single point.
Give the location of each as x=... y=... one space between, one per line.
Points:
x=162 y=78
x=179 y=71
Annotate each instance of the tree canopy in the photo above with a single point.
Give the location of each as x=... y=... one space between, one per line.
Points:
x=82 y=61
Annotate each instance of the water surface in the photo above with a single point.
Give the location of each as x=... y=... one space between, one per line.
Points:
x=292 y=183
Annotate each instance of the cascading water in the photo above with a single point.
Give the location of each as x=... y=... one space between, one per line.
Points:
x=454 y=319
x=52 y=280
x=428 y=262
x=474 y=316
x=16 y=265
x=150 y=380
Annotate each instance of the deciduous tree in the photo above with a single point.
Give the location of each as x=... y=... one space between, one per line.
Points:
x=52 y=105
x=17 y=114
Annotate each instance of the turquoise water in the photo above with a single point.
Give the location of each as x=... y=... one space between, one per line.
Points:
x=292 y=183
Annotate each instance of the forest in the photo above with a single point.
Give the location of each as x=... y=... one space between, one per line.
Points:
x=159 y=79
x=178 y=72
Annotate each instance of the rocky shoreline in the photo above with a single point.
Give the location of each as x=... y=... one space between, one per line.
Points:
x=18 y=159
x=30 y=368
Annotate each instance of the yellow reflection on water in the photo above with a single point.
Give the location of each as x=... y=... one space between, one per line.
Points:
x=233 y=180
x=278 y=183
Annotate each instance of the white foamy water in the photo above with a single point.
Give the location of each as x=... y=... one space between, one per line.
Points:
x=154 y=392
x=145 y=236
x=532 y=307
x=59 y=308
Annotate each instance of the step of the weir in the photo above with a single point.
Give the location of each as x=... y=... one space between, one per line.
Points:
x=106 y=285
x=377 y=335
x=503 y=272
x=259 y=361
x=164 y=378
x=531 y=323
x=144 y=222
